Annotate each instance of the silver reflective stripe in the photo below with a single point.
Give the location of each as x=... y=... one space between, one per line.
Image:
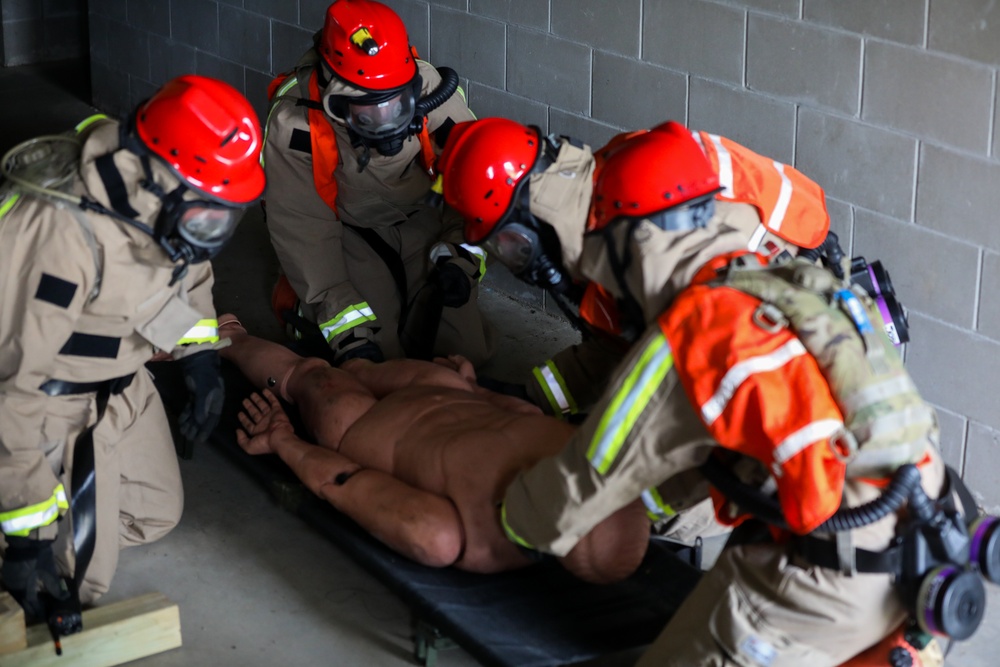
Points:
x=474 y=249
x=347 y=319
x=784 y=197
x=555 y=387
x=22 y=521
x=757 y=238
x=626 y=407
x=805 y=436
x=202 y=332
x=742 y=371
x=655 y=507
x=876 y=393
x=725 y=166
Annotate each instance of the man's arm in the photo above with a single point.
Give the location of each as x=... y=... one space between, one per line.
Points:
x=422 y=526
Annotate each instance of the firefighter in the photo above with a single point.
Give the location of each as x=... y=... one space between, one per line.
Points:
x=792 y=216
x=767 y=377
x=105 y=237
x=351 y=140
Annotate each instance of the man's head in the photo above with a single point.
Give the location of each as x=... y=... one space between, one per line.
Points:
x=198 y=142
x=523 y=196
x=374 y=86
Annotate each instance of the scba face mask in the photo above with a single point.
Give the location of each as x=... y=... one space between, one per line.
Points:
x=382 y=121
x=199 y=229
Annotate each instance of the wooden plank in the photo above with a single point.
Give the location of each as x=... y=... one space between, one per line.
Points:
x=112 y=635
x=12 y=634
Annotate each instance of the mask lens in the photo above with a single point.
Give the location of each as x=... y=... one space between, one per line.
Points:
x=514 y=246
x=204 y=225
x=381 y=119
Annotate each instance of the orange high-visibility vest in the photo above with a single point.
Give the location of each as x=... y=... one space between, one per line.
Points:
x=789 y=204
x=760 y=393
x=323 y=142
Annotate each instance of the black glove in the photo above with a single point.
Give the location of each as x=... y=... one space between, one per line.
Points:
x=29 y=572
x=206 y=394
x=452 y=283
x=515 y=389
x=364 y=350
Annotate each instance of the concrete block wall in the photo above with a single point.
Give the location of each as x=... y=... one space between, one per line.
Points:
x=890 y=105
x=33 y=31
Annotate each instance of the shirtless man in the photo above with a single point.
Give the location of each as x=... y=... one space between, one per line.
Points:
x=417 y=454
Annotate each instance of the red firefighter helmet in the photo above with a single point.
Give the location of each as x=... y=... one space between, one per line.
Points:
x=482 y=166
x=365 y=43
x=642 y=173
x=208 y=134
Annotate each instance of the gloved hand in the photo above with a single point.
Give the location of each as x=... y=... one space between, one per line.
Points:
x=206 y=394
x=29 y=571
x=452 y=283
x=515 y=389
x=365 y=349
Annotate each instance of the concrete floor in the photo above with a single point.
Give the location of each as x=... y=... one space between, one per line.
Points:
x=256 y=586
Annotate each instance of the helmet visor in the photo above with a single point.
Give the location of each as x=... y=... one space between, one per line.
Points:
x=514 y=245
x=207 y=224
x=385 y=118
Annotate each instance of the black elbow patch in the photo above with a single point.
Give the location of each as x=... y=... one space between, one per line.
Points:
x=56 y=291
x=91 y=345
x=441 y=134
x=300 y=141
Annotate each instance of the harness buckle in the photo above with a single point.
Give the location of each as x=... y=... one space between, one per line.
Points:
x=769 y=317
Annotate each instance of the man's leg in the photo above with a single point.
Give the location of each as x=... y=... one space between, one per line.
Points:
x=420 y=525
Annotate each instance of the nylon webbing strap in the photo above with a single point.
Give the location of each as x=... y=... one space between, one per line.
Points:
x=389 y=256
x=83 y=503
x=114 y=185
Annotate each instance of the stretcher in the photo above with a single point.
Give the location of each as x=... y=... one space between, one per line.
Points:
x=539 y=616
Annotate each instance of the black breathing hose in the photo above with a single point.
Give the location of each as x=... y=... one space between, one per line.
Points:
x=438 y=96
x=905 y=486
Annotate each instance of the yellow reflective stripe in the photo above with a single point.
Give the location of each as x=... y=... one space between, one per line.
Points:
x=511 y=535
x=741 y=372
x=656 y=509
x=282 y=89
x=21 y=522
x=205 y=331
x=480 y=253
x=628 y=404
x=554 y=387
x=87 y=122
x=348 y=318
x=6 y=206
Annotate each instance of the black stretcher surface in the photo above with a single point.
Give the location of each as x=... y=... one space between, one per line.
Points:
x=539 y=616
